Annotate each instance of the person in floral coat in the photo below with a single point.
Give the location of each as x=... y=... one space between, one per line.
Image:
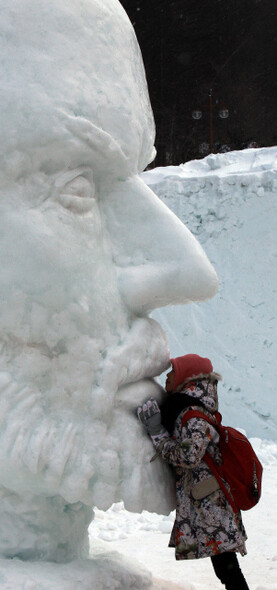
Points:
x=205 y=524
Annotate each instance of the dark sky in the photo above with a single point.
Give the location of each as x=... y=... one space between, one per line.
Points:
x=190 y=47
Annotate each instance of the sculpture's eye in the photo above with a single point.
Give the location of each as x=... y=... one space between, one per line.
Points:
x=76 y=191
x=80 y=187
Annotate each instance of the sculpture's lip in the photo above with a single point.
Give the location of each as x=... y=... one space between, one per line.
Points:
x=143 y=354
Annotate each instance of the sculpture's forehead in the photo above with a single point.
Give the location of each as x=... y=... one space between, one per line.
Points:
x=73 y=59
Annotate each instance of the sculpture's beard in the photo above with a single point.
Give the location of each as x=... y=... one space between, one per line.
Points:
x=68 y=414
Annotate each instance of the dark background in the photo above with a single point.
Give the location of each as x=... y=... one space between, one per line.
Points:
x=192 y=46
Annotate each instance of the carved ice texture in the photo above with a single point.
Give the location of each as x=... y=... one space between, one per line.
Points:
x=86 y=252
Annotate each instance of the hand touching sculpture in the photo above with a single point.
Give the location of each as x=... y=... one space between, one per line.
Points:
x=149 y=415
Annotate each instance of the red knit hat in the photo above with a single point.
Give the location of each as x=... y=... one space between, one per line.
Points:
x=190 y=366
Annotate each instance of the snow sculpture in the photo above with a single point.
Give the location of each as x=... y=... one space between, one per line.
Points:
x=87 y=251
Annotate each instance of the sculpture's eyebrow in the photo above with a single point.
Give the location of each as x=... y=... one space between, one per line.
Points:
x=106 y=150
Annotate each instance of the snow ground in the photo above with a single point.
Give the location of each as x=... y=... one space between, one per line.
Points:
x=144 y=537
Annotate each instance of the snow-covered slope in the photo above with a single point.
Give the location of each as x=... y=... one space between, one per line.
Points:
x=229 y=202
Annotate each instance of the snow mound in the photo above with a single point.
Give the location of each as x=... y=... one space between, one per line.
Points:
x=104 y=570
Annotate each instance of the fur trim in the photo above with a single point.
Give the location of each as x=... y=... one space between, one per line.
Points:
x=210 y=376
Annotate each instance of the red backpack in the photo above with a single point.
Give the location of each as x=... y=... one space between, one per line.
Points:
x=240 y=467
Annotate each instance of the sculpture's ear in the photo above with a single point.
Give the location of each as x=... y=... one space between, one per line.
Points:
x=75 y=190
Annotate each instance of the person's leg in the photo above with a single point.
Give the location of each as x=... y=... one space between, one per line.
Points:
x=226 y=567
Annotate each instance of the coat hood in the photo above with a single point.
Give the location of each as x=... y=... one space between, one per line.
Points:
x=192 y=367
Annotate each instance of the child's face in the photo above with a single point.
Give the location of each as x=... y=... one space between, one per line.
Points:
x=169 y=384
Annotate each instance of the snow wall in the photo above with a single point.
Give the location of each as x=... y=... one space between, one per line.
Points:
x=229 y=203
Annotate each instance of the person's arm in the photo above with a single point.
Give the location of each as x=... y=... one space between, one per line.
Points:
x=186 y=451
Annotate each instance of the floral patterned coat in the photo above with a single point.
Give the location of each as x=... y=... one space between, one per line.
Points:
x=208 y=526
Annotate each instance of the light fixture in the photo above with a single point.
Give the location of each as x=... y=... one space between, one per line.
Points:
x=197 y=114
x=224 y=113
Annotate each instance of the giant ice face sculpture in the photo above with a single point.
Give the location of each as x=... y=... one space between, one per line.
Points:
x=86 y=251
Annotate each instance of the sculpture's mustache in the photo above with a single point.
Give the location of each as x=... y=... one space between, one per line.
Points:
x=140 y=353
x=143 y=354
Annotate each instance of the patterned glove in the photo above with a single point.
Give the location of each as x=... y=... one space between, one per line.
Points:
x=150 y=416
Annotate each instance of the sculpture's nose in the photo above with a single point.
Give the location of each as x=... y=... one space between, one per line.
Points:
x=159 y=261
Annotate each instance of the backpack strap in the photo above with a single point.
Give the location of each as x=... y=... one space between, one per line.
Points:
x=207 y=458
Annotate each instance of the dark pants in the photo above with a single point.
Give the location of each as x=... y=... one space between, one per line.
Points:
x=226 y=567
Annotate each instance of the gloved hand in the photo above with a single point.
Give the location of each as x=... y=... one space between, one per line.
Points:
x=150 y=416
